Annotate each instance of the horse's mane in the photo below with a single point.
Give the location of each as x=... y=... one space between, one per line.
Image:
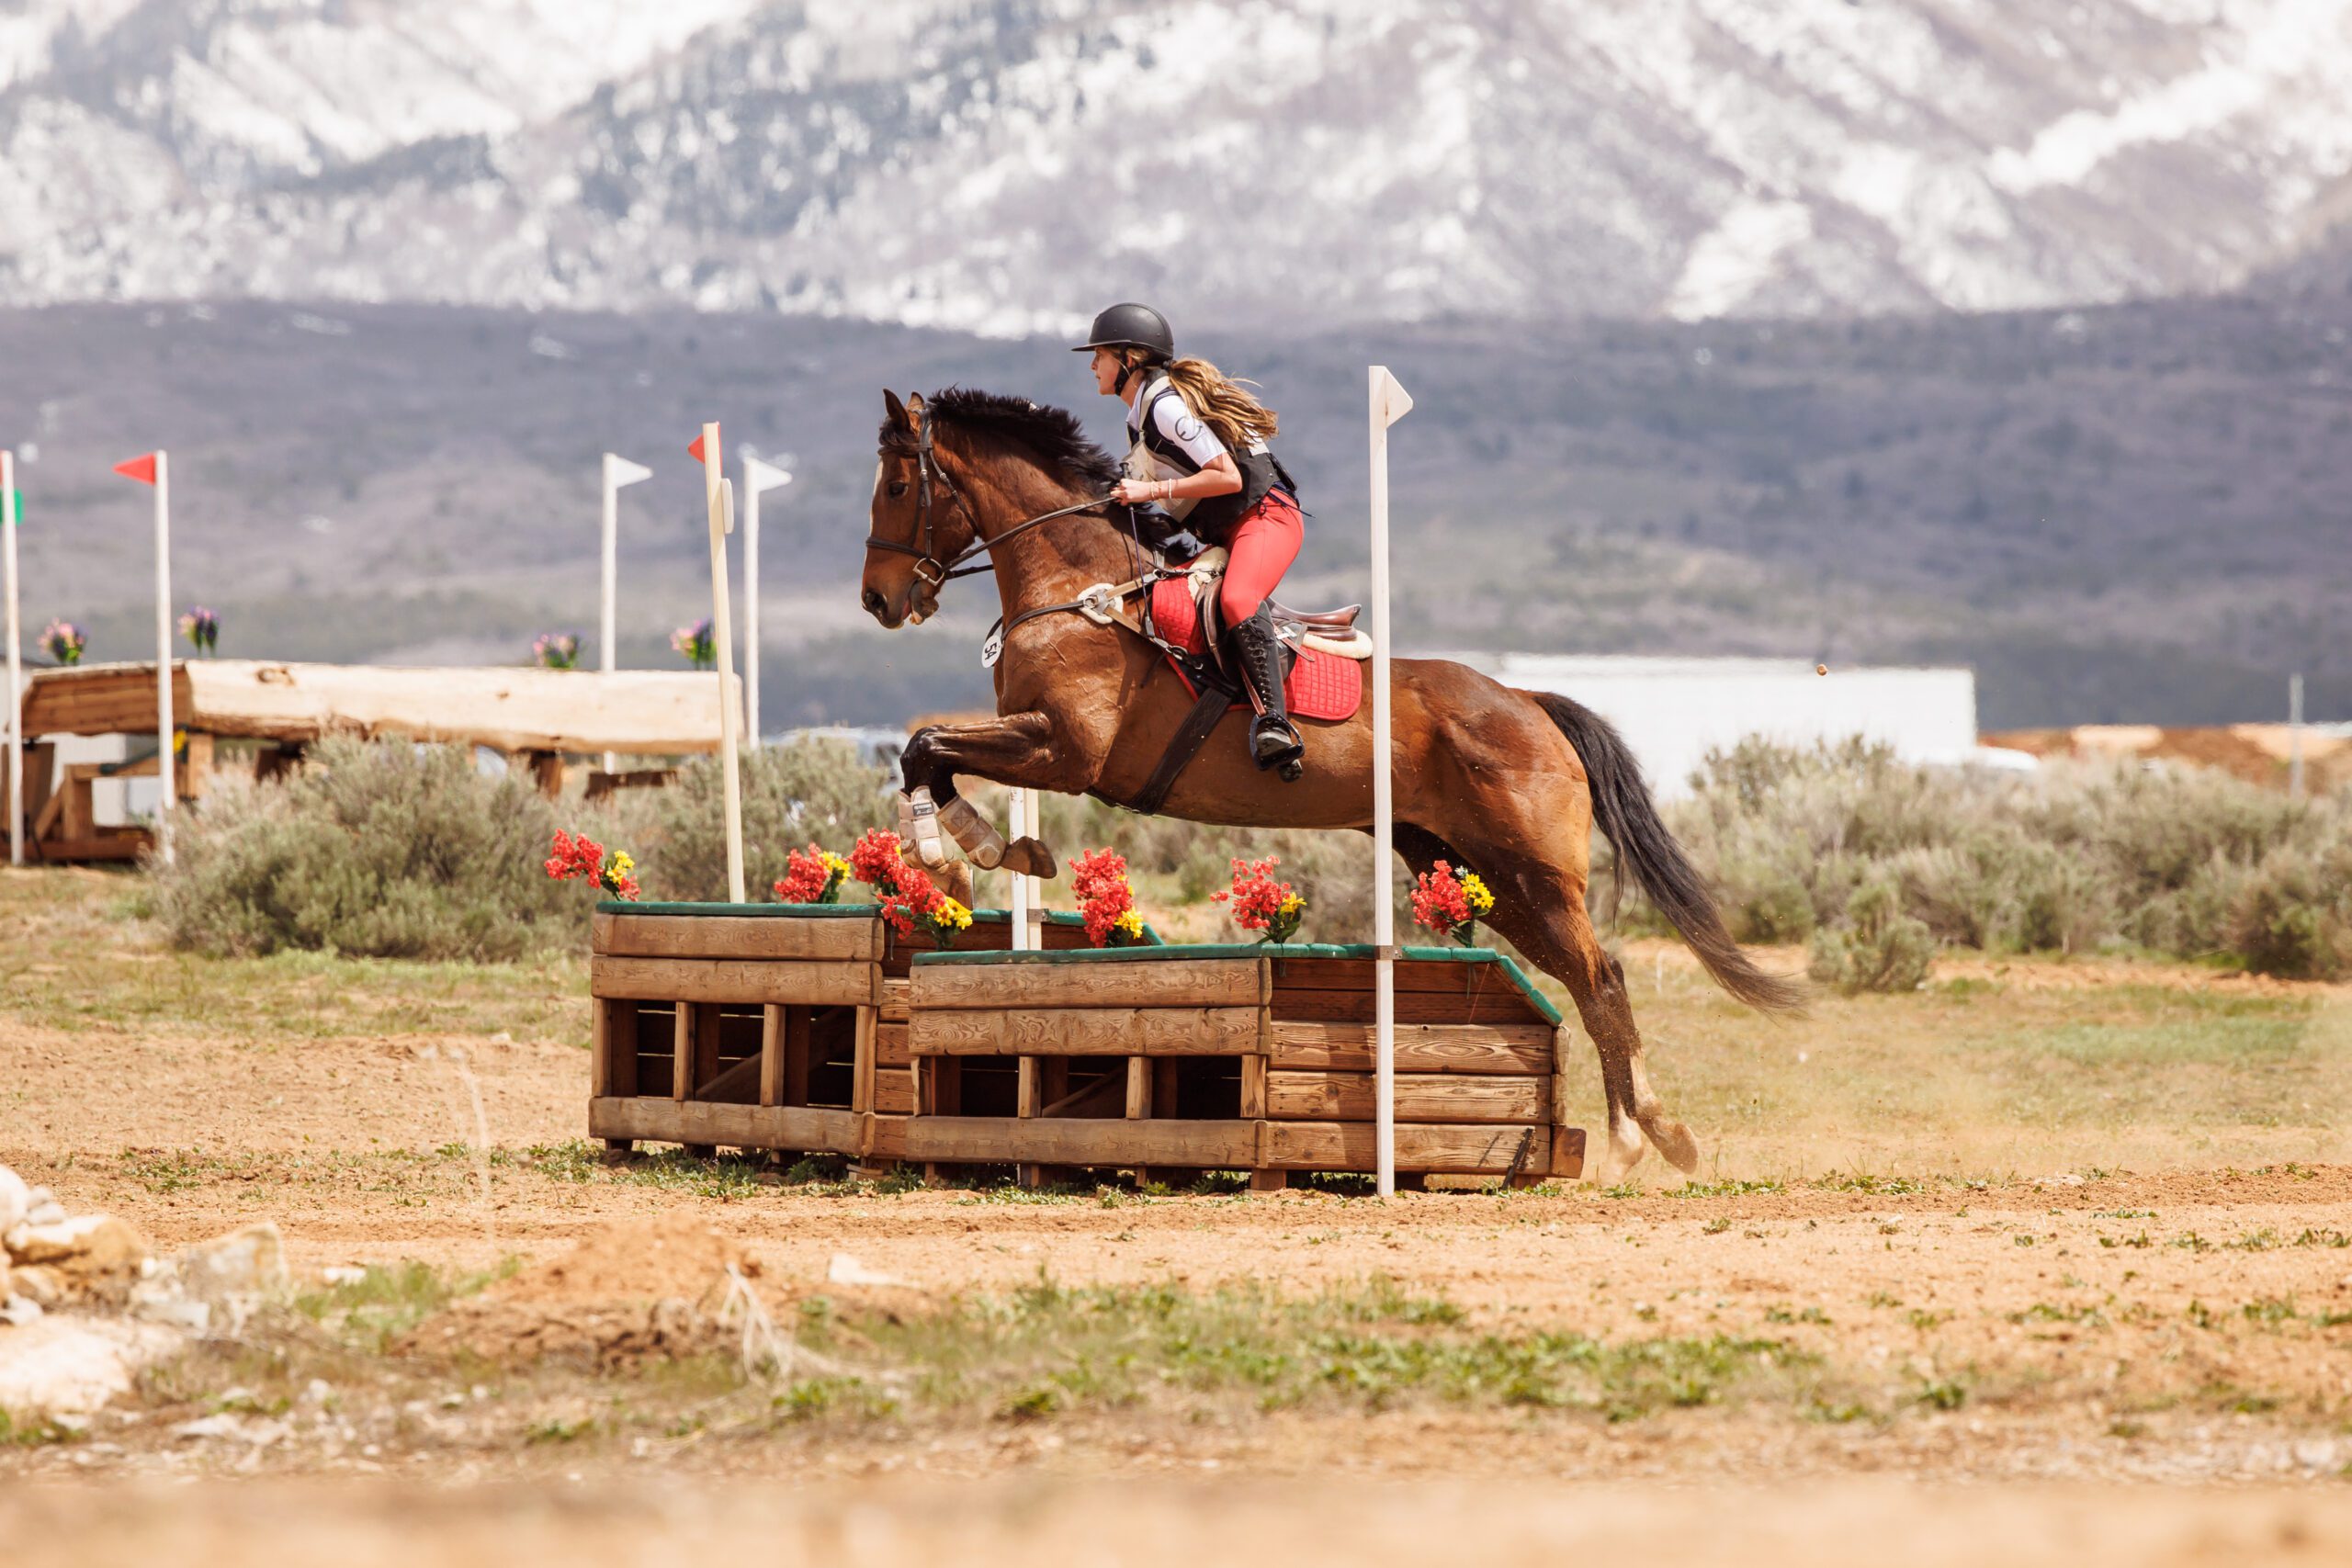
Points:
x=1051 y=435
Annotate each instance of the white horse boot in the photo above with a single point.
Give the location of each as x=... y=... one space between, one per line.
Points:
x=919 y=816
x=982 y=844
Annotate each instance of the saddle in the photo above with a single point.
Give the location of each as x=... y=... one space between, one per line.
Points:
x=1324 y=679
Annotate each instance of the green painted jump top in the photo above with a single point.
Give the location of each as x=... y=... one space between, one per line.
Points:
x=824 y=911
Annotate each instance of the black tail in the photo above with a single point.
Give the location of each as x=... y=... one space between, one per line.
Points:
x=1622 y=809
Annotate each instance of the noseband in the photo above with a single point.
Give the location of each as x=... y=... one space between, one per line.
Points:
x=929 y=569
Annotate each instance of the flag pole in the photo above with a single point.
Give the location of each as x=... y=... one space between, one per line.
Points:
x=717 y=498
x=619 y=471
x=758 y=477
x=1390 y=404
x=164 y=772
x=16 y=664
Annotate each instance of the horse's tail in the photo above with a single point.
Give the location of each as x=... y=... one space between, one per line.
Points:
x=1622 y=809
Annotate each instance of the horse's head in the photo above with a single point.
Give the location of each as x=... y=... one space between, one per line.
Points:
x=918 y=524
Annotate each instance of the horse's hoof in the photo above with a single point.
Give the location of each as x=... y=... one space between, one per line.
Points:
x=1673 y=1140
x=1027 y=857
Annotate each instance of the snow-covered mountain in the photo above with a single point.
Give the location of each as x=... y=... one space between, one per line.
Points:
x=1003 y=167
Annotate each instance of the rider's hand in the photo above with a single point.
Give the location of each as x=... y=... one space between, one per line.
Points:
x=1135 y=492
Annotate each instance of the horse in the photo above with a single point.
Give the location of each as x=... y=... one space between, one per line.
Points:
x=1508 y=782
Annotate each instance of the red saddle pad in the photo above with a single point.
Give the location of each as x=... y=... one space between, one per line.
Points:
x=1321 y=685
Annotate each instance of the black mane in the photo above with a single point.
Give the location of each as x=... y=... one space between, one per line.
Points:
x=1051 y=435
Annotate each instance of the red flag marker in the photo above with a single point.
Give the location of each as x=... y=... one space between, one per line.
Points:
x=694 y=451
x=139 y=469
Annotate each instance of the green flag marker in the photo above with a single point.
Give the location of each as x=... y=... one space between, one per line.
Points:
x=17 y=515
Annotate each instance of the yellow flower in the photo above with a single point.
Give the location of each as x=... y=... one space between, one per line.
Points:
x=834 y=864
x=1293 y=904
x=1474 y=893
x=950 y=913
x=622 y=862
x=1128 y=924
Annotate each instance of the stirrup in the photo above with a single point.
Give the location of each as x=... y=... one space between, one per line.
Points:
x=1287 y=756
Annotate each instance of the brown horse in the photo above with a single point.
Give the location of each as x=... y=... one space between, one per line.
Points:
x=1509 y=784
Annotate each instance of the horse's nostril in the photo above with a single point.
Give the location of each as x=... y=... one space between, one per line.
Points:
x=873 y=601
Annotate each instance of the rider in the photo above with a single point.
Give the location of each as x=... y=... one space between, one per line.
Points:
x=1199 y=450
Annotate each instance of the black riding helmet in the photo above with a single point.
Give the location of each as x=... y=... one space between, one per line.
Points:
x=1131 y=326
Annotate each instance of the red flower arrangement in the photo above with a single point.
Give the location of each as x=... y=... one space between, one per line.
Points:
x=1099 y=880
x=582 y=859
x=813 y=876
x=1260 y=904
x=909 y=898
x=1444 y=902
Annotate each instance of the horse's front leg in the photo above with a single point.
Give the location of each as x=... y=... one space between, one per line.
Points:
x=1021 y=749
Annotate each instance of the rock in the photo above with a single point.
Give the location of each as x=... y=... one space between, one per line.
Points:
x=40 y=1284
x=233 y=1274
x=41 y=1208
x=845 y=1269
x=7 y=1290
x=16 y=1199
x=73 y=1365
x=97 y=1258
x=19 y=1311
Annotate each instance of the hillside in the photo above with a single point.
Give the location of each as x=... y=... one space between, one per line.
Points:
x=2123 y=513
x=1002 y=167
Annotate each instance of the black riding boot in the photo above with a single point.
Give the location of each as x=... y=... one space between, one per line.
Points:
x=1274 y=741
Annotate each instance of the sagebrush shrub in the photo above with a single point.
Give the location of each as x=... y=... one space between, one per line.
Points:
x=389 y=850
x=1877 y=947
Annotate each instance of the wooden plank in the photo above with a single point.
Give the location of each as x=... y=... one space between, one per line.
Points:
x=1421 y=1096
x=705 y=1044
x=1313 y=974
x=1084 y=1032
x=1348 y=1145
x=1253 y=1087
x=894 y=1091
x=1138 y=1086
x=1502 y=1004
x=1029 y=1093
x=778 y=939
x=864 y=1061
x=1567 y=1152
x=891 y=1048
x=1141 y=982
x=600 y=1049
x=838 y=983
x=1514 y=1048
x=705 y=1123
x=771 y=1026
x=895 y=1003
x=1224 y=1145
x=682 y=1052
x=886 y=1138
x=743 y=1078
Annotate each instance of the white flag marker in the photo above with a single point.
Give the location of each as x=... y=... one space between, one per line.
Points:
x=719 y=497
x=619 y=471
x=156 y=468
x=1390 y=404
x=758 y=478
x=15 y=663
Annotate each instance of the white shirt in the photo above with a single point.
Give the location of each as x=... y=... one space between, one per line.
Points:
x=1168 y=440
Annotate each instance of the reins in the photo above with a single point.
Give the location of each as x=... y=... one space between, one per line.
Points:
x=925 y=555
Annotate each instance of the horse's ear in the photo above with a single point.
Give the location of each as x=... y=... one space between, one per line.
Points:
x=897 y=409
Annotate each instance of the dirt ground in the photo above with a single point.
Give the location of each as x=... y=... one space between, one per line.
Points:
x=2029 y=1353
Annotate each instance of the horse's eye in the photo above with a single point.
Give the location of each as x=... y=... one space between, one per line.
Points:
x=898 y=487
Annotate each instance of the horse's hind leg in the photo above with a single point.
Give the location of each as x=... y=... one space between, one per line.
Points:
x=1538 y=881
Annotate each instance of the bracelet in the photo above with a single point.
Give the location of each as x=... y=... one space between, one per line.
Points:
x=1168 y=489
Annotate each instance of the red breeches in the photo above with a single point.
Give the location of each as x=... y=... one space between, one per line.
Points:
x=1264 y=545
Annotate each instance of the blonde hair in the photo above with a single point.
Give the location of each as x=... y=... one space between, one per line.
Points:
x=1219 y=402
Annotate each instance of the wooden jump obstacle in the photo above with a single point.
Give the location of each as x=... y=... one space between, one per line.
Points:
x=536 y=717
x=761 y=1026
x=802 y=1029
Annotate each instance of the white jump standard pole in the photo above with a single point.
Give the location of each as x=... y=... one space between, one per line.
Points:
x=15 y=663
x=1390 y=404
x=757 y=476
x=719 y=498
x=619 y=471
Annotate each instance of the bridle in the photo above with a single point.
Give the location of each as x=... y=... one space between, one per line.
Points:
x=929 y=569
